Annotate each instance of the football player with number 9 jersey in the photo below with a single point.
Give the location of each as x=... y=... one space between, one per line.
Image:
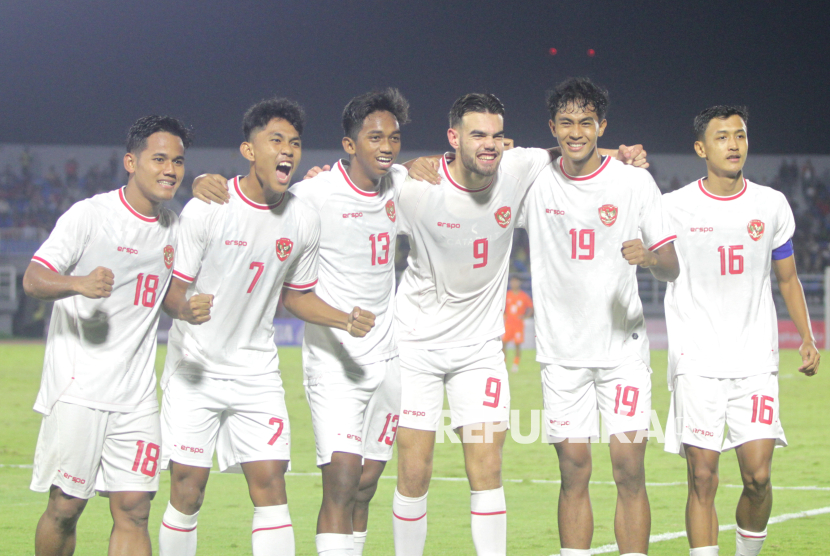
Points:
x=107 y=265
x=723 y=330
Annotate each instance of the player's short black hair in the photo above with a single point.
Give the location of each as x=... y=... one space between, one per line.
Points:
x=581 y=93
x=388 y=100
x=260 y=114
x=720 y=111
x=484 y=103
x=148 y=125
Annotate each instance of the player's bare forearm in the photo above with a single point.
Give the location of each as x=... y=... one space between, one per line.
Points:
x=307 y=306
x=44 y=284
x=195 y=310
x=662 y=262
x=793 y=293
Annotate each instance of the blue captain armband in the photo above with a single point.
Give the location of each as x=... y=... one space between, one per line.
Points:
x=783 y=252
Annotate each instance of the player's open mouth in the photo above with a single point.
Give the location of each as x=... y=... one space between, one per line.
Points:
x=575 y=146
x=167 y=184
x=384 y=161
x=487 y=157
x=284 y=171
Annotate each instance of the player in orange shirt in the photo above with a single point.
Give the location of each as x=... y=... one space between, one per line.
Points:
x=519 y=307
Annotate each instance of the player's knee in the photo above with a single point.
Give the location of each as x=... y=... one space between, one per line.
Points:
x=630 y=475
x=703 y=481
x=757 y=482
x=366 y=492
x=65 y=511
x=187 y=495
x=131 y=510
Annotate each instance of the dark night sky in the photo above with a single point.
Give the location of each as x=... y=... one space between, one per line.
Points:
x=81 y=72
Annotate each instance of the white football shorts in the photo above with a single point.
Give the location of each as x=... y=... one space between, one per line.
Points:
x=83 y=450
x=243 y=419
x=701 y=406
x=573 y=396
x=475 y=377
x=355 y=410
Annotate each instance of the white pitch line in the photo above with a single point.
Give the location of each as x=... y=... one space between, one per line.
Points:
x=534 y=481
x=605 y=549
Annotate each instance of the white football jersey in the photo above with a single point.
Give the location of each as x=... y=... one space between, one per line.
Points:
x=357 y=263
x=588 y=310
x=720 y=313
x=243 y=253
x=101 y=353
x=453 y=291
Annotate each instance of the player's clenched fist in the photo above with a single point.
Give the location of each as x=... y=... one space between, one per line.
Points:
x=312 y=173
x=360 y=322
x=197 y=308
x=211 y=187
x=96 y=284
x=810 y=359
x=635 y=252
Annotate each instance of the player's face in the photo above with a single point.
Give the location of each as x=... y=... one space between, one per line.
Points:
x=577 y=130
x=724 y=145
x=378 y=144
x=508 y=143
x=275 y=152
x=159 y=168
x=478 y=142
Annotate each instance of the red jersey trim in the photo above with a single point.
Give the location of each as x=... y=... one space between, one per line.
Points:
x=299 y=286
x=132 y=210
x=182 y=276
x=718 y=197
x=660 y=244
x=178 y=528
x=45 y=263
x=351 y=183
x=250 y=202
x=588 y=177
x=458 y=186
x=409 y=518
x=268 y=528
x=490 y=513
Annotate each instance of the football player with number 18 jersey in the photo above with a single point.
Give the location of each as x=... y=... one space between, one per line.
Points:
x=723 y=330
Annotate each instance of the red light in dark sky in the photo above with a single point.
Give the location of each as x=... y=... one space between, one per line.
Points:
x=553 y=52
x=592 y=52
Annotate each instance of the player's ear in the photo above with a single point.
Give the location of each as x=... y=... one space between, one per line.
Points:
x=601 y=128
x=349 y=145
x=552 y=126
x=700 y=149
x=453 y=137
x=129 y=163
x=247 y=151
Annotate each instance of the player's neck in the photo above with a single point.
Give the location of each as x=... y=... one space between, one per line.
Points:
x=723 y=185
x=141 y=204
x=359 y=177
x=584 y=167
x=254 y=191
x=464 y=177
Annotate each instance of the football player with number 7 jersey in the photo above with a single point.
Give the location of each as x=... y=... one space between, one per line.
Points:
x=723 y=330
x=222 y=384
x=107 y=265
x=591 y=220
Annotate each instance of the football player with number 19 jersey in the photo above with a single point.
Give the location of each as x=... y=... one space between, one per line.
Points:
x=107 y=265
x=723 y=330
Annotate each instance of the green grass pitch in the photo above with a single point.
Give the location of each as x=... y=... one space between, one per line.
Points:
x=225 y=520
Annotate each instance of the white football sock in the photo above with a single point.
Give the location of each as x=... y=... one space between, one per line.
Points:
x=332 y=544
x=749 y=543
x=489 y=521
x=359 y=542
x=409 y=524
x=177 y=534
x=575 y=552
x=704 y=551
x=271 y=532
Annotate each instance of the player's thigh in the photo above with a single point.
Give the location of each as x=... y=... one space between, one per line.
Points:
x=478 y=390
x=422 y=389
x=752 y=411
x=624 y=396
x=697 y=414
x=69 y=448
x=132 y=453
x=570 y=402
x=191 y=414
x=338 y=402
x=383 y=413
x=257 y=427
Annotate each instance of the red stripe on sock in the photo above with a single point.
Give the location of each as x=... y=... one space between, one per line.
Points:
x=409 y=518
x=752 y=536
x=270 y=528
x=177 y=529
x=489 y=513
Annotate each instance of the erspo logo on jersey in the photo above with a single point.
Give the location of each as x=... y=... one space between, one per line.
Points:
x=284 y=246
x=450 y=225
x=168 y=256
x=128 y=250
x=703 y=229
x=608 y=214
x=238 y=242
x=555 y=212
x=390 y=210
x=755 y=228
x=352 y=215
x=503 y=217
